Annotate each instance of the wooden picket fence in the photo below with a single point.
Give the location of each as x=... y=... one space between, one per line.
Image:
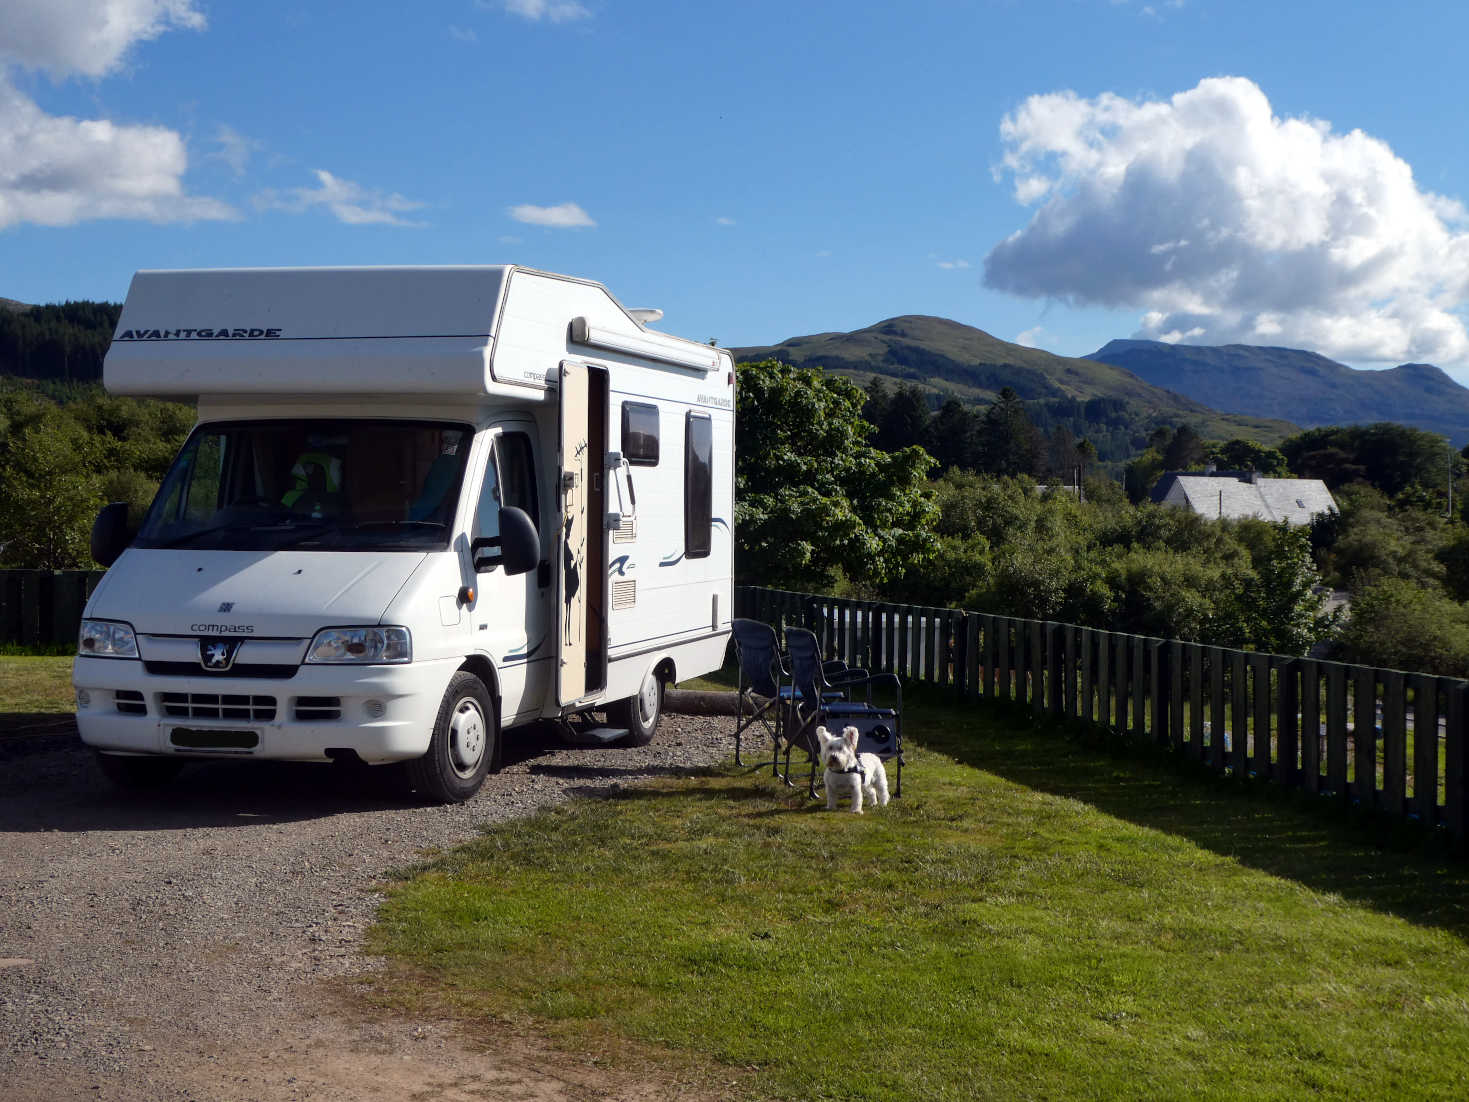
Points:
x=1382 y=740
x=43 y=607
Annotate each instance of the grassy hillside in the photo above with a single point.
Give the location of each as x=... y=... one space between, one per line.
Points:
x=945 y=358
x=1306 y=388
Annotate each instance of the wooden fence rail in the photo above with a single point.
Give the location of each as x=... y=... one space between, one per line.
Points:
x=1382 y=740
x=43 y=607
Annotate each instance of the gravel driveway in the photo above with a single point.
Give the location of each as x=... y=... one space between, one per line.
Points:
x=174 y=945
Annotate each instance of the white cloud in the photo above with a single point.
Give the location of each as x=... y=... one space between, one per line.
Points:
x=1225 y=223
x=57 y=170
x=563 y=216
x=234 y=149
x=722 y=220
x=349 y=202
x=463 y=34
x=89 y=37
x=953 y=265
x=1031 y=338
x=552 y=11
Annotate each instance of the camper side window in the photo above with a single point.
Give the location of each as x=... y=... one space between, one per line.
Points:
x=698 y=486
x=640 y=434
x=510 y=479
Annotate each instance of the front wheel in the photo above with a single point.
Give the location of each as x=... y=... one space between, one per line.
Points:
x=465 y=745
x=639 y=714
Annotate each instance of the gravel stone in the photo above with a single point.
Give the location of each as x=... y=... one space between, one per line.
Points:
x=170 y=944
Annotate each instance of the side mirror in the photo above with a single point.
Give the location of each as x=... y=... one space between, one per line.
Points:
x=110 y=533
x=520 y=543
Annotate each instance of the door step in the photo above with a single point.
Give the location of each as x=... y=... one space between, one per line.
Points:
x=593 y=736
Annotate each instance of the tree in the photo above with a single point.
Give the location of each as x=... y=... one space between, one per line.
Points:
x=1281 y=606
x=1391 y=457
x=815 y=502
x=1008 y=443
x=904 y=422
x=48 y=494
x=1402 y=625
x=1248 y=455
x=1185 y=451
x=952 y=436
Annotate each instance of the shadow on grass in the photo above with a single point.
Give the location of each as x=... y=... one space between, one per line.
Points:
x=1315 y=841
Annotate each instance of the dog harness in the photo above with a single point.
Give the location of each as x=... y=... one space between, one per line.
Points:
x=857 y=769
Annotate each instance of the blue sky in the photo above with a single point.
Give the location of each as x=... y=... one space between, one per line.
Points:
x=1059 y=172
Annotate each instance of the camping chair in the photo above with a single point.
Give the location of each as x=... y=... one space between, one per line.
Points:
x=761 y=674
x=765 y=696
x=826 y=700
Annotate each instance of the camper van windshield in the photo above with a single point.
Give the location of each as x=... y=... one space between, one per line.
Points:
x=313 y=485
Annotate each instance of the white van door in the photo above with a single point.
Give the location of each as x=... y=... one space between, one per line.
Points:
x=511 y=615
x=574 y=487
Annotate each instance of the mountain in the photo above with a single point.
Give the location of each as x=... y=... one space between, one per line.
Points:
x=945 y=359
x=1300 y=386
x=12 y=304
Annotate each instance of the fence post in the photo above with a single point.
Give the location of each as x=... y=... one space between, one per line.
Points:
x=1336 y=731
x=1425 y=748
x=1037 y=668
x=1088 y=650
x=1121 y=687
x=1394 y=743
x=1069 y=671
x=1218 y=718
x=1002 y=625
x=1260 y=675
x=972 y=661
x=1364 y=729
x=1104 y=678
x=1456 y=775
x=1055 y=677
x=1158 y=685
x=1310 y=725
x=1287 y=712
x=1139 y=686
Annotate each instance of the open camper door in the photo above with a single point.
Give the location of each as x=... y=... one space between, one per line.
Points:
x=576 y=452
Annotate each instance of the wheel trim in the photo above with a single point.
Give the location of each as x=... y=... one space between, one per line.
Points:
x=467 y=737
x=648 y=701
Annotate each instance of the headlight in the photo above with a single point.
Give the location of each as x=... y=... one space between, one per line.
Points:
x=107 y=639
x=365 y=645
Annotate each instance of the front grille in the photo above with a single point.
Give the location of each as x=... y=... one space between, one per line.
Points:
x=130 y=702
x=276 y=671
x=315 y=709
x=252 y=709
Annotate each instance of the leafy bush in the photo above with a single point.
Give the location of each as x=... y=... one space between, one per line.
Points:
x=1402 y=625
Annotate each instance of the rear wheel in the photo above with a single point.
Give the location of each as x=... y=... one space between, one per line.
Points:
x=465 y=745
x=138 y=772
x=639 y=714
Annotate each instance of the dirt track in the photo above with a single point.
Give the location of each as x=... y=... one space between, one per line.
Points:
x=184 y=945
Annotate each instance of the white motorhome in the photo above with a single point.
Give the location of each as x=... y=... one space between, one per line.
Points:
x=421 y=506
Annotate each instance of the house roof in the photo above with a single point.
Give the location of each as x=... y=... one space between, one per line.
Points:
x=1233 y=494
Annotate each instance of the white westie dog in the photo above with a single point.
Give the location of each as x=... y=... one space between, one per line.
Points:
x=849 y=771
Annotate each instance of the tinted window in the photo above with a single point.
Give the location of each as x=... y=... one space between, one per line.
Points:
x=698 y=510
x=314 y=484
x=510 y=479
x=640 y=434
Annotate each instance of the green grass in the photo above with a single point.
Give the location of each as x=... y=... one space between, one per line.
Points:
x=1035 y=918
x=32 y=684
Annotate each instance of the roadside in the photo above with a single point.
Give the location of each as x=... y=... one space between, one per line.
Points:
x=185 y=944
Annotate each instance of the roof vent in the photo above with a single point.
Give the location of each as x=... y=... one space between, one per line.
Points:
x=646 y=315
